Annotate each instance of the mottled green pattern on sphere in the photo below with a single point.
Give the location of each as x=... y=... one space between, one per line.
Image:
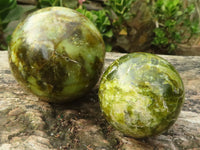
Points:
x=57 y=54
x=141 y=94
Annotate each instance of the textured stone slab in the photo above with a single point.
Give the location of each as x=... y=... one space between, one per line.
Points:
x=27 y=123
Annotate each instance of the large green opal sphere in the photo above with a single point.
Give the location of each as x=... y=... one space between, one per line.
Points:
x=57 y=54
x=141 y=94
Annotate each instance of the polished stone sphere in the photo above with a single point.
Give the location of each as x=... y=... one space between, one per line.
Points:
x=57 y=54
x=141 y=94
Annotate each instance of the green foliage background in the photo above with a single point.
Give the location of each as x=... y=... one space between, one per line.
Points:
x=173 y=24
x=172 y=19
x=9 y=11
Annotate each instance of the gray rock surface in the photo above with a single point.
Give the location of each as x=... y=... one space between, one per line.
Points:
x=26 y=123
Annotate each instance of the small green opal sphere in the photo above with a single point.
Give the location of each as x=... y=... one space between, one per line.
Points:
x=141 y=94
x=57 y=54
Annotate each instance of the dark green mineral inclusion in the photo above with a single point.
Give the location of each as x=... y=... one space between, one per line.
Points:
x=141 y=94
x=57 y=54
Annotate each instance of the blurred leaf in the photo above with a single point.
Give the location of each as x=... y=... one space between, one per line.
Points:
x=123 y=32
x=13 y=14
x=6 y=5
x=3 y=47
x=91 y=16
x=108 y=34
x=108 y=47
